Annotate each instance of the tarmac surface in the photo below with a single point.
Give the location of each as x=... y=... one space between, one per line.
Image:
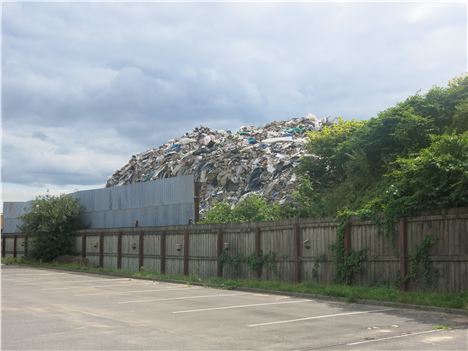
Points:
x=56 y=310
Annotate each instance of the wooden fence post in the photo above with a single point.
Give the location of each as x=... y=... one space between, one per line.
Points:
x=258 y=248
x=3 y=246
x=347 y=238
x=186 y=252
x=220 y=244
x=119 y=251
x=298 y=252
x=101 y=250
x=141 y=251
x=162 y=251
x=83 y=245
x=26 y=246
x=196 y=201
x=402 y=243
x=15 y=243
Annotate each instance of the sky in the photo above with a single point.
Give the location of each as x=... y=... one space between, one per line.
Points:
x=87 y=85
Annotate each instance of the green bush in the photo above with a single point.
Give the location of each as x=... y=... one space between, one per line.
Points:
x=253 y=208
x=50 y=224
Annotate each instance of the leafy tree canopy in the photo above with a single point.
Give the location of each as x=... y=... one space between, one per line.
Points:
x=51 y=223
x=354 y=161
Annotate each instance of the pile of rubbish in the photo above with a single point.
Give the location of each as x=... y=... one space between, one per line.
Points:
x=229 y=165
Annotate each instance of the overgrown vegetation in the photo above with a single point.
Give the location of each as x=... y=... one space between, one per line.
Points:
x=252 y=208
x=421 y=267
x=348 y=292
x=50 y=225
x=255 y=262
x=411 y=157
x=347 y=264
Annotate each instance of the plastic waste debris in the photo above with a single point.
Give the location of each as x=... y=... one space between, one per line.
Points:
x=229 y=166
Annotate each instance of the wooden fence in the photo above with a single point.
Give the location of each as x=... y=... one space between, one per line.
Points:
x=301 y=249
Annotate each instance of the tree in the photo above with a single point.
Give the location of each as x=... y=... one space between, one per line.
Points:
x=51 y=223
x=437 y=177
x=352 y=161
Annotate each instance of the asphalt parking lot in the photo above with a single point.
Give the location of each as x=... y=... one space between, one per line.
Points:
x=54 y=310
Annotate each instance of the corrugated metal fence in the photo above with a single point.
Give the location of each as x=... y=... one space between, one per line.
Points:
x=160 y=202
x=302 y=249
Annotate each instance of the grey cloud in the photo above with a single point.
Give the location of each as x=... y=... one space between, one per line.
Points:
x=140 y=74
x=39 y=135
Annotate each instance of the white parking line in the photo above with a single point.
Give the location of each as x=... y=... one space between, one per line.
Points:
x=117 y=284
x=393 y=337
x=74 y=281
x=136 y=291
x=26 y=275
x=241 y=306
x=184 y=298
x=317 y=317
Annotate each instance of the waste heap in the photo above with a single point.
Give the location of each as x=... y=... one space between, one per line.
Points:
x=229 y=166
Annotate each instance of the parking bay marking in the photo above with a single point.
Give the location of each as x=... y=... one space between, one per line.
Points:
x=317 y=317
x=118 y=284
x=73 y=281
x=136 y=291
x=183 y=298
x=241 y=306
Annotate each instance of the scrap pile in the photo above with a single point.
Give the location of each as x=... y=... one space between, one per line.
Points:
x=228 y=165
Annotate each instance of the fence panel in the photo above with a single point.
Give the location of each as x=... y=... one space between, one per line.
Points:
x=110 y=251
x=382 y=263
x=174 y=253
x=317 y=254
x=203 y=254
x=130 y=249
x=152 y=252
x=92 y=249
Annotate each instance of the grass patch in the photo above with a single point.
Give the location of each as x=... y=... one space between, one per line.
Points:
x=348 y=292
x=442 y=327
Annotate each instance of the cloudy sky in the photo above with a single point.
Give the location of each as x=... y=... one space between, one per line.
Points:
x=86 y=85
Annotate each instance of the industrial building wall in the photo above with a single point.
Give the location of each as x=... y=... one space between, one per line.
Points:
x=154 y=203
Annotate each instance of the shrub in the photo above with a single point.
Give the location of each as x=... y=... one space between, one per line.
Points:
x=51 y=223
